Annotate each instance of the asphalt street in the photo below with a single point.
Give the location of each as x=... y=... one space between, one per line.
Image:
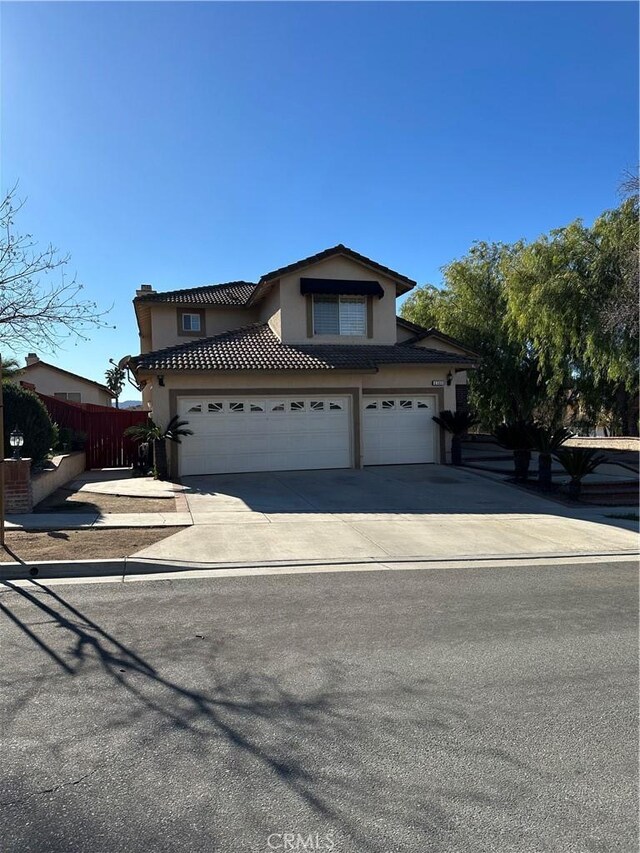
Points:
x=484 y=709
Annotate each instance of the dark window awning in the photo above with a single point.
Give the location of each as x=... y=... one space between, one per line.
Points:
x=341 y=287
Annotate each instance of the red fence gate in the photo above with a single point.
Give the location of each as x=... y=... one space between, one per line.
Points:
x=107 y=446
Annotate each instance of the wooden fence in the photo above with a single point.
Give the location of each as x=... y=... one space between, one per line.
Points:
x=106 y=446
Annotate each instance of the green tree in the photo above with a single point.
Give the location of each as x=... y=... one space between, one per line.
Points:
x=555 y=322
x=568 y=297
x=473 y=306
x=115 y=377
x=10 y=367
x=25 y=410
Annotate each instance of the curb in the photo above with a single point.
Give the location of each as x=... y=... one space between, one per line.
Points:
x=122 y=567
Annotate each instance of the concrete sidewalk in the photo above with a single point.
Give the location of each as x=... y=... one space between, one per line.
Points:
x=120 y=481
x=383 y=536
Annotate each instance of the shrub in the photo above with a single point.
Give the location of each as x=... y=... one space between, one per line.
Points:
x=151 y=433
x=578 y=462
x=518 y=437
x=546 y=440
x=65 y=436
x=25 y=410
x=457 y=423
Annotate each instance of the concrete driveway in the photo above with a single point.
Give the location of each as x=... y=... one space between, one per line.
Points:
x=388 y=489
x=400 y=511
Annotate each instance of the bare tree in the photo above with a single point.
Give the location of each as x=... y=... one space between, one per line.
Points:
x=630 y=184
x=35 y=312
x=621 y=314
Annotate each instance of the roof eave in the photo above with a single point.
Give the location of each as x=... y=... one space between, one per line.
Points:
x=403 y=283
x=41 y=363
x=436 y=333
x=154 y=371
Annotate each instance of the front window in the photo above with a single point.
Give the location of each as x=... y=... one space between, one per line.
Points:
x=339 y=315
x=190 y=322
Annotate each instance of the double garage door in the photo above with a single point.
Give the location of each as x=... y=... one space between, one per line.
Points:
x=297 y=433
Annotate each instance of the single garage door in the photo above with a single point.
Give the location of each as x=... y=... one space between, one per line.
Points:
x=399 y=430
x=237 y=434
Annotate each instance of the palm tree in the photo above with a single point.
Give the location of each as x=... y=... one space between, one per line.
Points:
x=154 y=435
x=458 y=424
x=517 y=436
x=546 y=441
x=115 y=377
x=578 y=462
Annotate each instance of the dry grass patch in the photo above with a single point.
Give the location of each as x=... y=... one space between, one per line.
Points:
x=31 y=545
x=69 y=500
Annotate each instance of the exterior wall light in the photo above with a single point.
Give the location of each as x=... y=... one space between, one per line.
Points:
x=449 y=377
x=16 y=440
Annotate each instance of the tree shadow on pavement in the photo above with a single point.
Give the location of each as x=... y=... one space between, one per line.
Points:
x=334 y=746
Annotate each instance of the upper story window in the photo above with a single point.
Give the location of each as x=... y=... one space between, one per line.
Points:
x=340 y=315
x=191 y=322
x=71 y=396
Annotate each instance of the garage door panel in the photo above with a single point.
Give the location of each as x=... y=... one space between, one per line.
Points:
x=399 y=430
x=265 y=434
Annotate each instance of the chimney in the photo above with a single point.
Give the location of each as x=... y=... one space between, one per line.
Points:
x=144 y=290
x=31 y=358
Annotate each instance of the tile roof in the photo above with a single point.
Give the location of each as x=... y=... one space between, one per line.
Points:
x=256 y=347
x=229 y=293
x=340 y=249
x=420 y=333
x=240 y=293
x=411 y=327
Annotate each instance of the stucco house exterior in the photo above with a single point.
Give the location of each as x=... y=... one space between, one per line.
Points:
x=55 y=382
x=309 y=367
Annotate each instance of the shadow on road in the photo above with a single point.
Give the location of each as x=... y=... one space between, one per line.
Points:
x=296 y=726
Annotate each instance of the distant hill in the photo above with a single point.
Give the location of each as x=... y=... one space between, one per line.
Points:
x=129 y=404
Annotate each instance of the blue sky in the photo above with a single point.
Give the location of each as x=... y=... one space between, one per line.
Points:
x=189 y=143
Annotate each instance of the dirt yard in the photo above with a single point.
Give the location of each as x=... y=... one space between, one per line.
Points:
x=70 y=500
x=29 y=546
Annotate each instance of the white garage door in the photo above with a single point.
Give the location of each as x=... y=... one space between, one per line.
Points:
x=264 y=434
x=399 y=430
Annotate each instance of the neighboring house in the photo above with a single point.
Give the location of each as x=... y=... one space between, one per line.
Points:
x=307 y=368
x=56 y=382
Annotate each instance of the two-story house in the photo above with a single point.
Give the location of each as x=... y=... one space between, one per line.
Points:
x=307 y=368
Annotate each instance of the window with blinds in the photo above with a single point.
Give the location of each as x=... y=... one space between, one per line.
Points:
x=339 y=315
x=326 y=318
